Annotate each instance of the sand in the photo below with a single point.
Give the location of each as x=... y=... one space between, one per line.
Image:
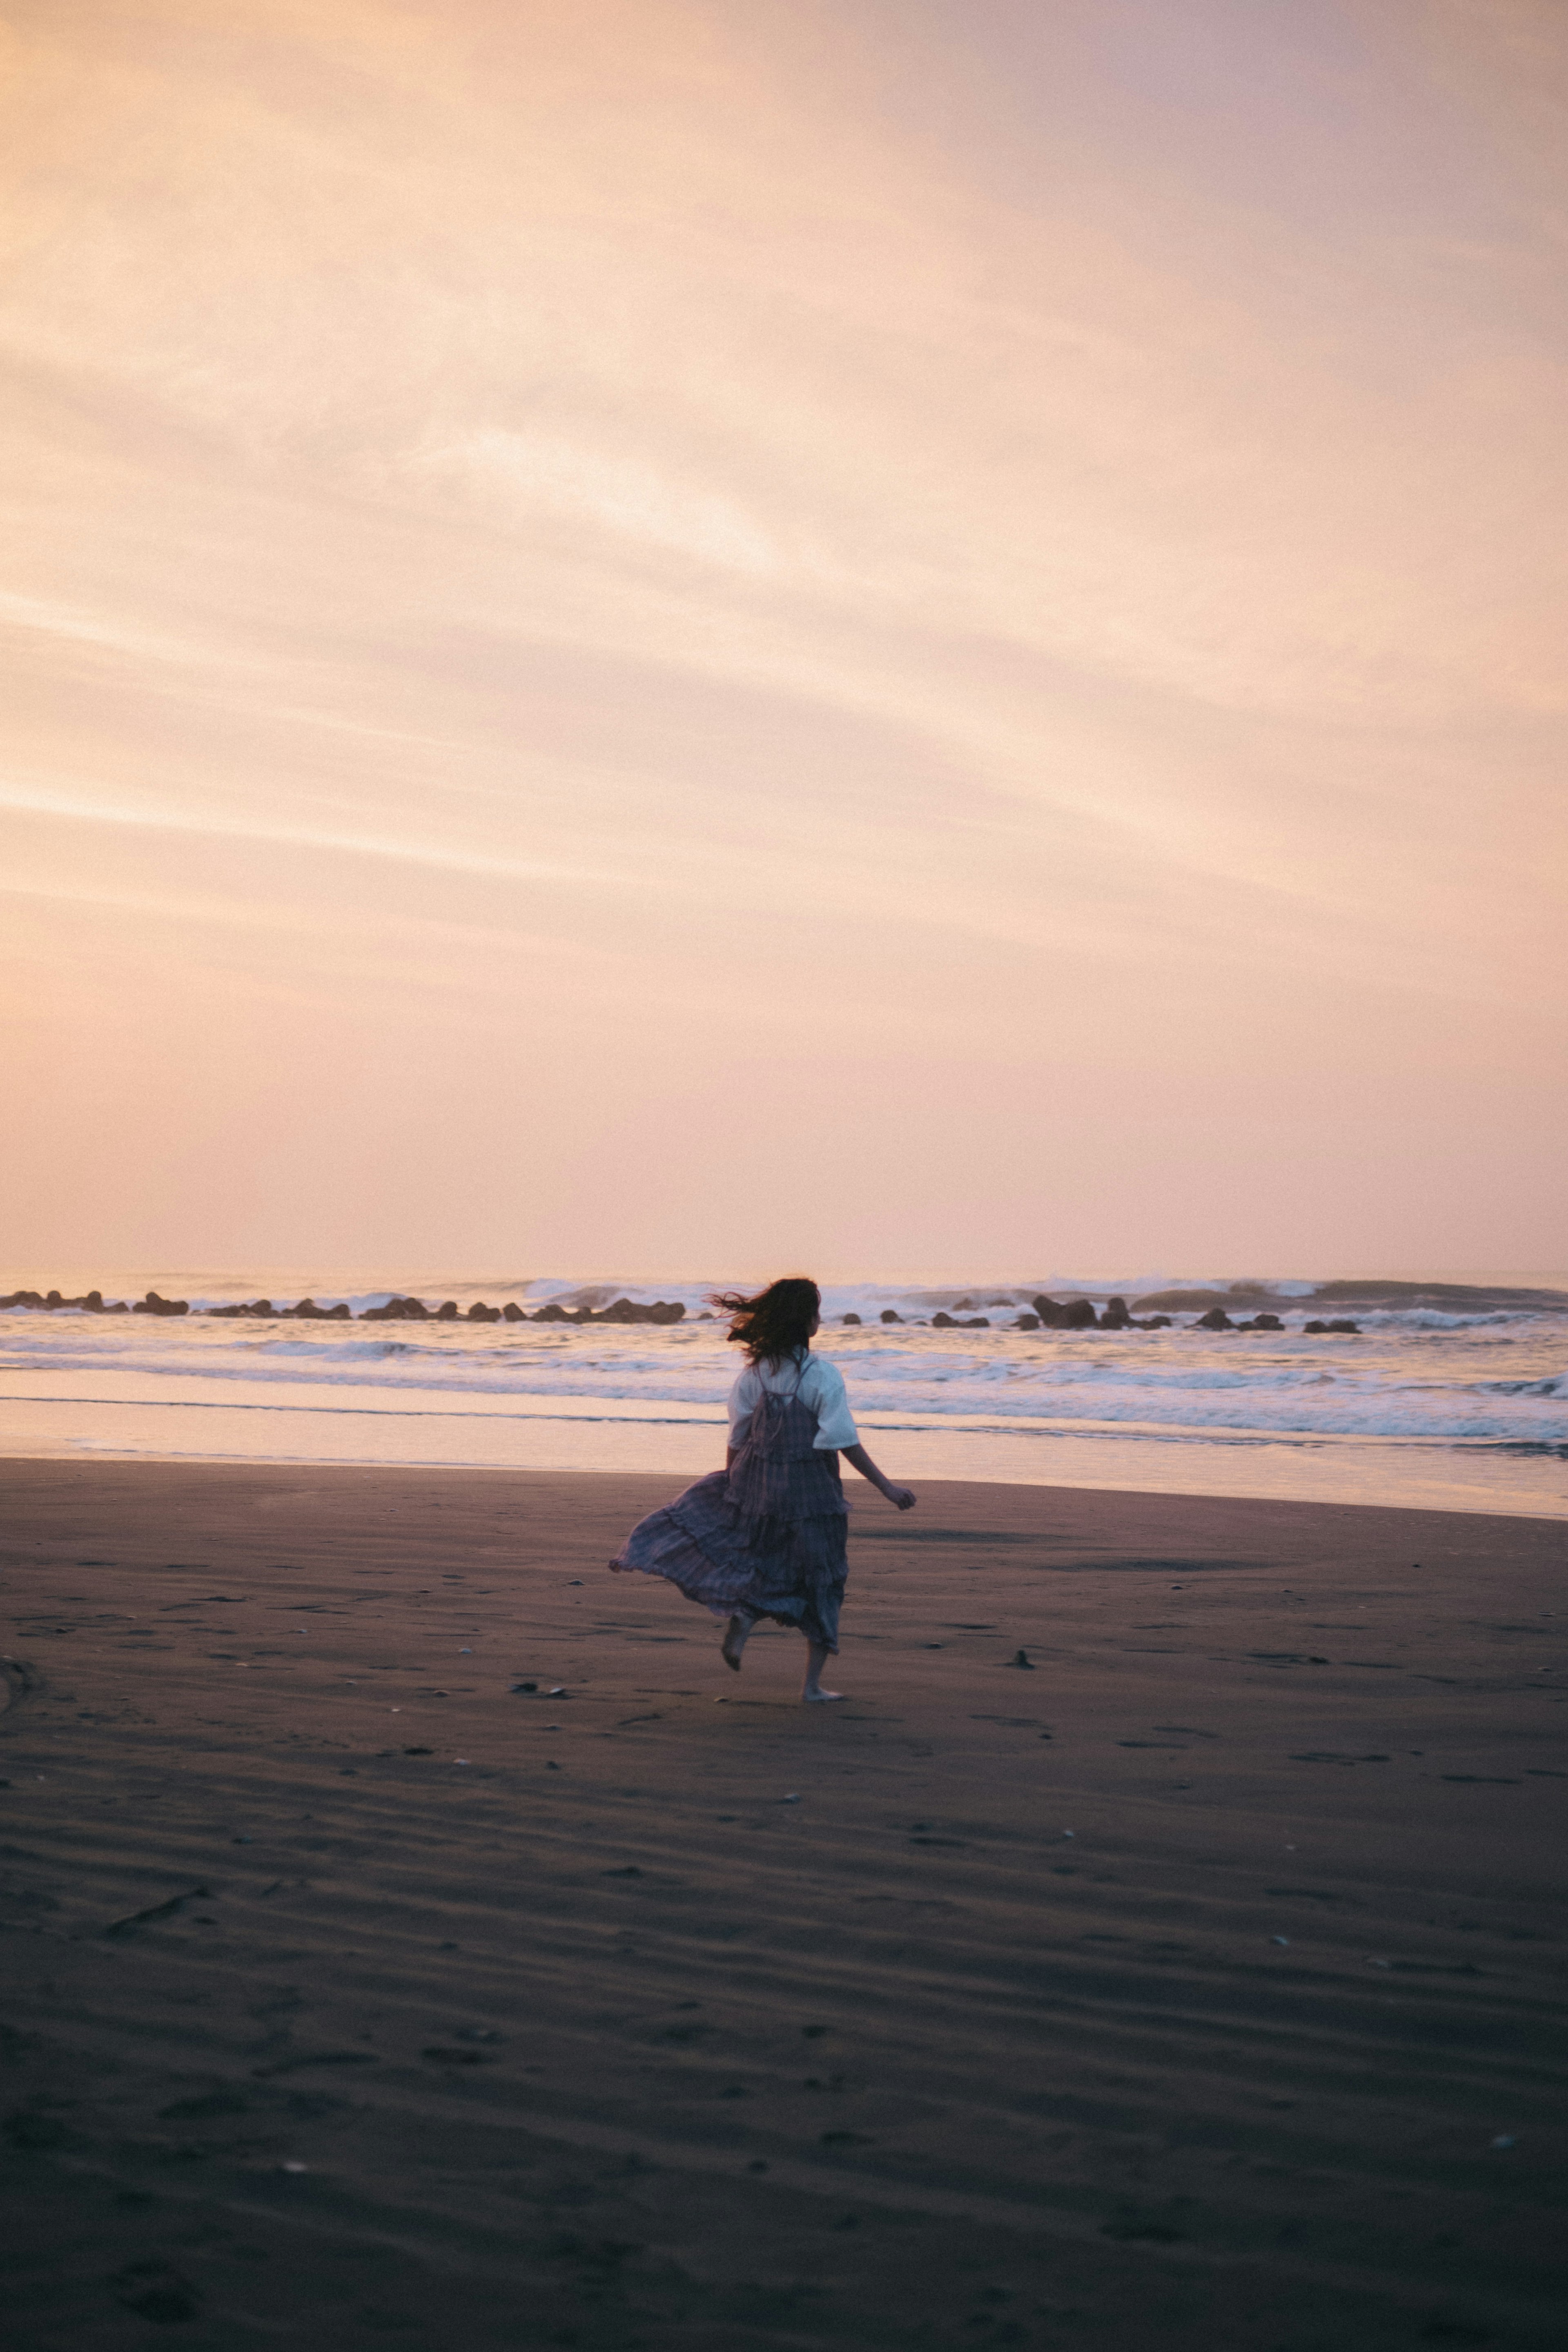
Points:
x=675 y=2013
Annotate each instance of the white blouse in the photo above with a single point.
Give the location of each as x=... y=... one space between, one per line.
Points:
x=821 y=1389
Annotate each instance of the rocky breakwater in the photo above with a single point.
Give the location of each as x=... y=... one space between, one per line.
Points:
x=400 y=1308
x=1079 y=1315
x=397 y=1309
x=46 y=1302
x=92 y=1302
x=621 y=1310
x=307 y=1311
x=1215 y=1317
x=1216 y=1320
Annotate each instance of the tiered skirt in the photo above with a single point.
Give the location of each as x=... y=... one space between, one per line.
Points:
x=790 y=1569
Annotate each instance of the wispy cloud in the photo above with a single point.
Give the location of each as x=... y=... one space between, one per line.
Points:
x=908 y=525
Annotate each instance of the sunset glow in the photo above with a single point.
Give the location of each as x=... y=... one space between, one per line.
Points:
x=712 y=636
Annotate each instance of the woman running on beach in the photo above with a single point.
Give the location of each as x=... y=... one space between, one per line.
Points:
x=764 y=1537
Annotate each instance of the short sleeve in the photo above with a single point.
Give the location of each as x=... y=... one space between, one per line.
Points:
x=744 y=1398
x=834 y=1423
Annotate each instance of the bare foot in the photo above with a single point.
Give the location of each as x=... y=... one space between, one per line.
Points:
x=736 y=1636
x=617 y=1567
x=817 y=1697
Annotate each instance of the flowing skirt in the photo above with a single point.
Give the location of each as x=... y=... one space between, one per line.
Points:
x=791 y=1570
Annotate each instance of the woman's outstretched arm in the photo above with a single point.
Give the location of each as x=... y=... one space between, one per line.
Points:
x=901 y=1497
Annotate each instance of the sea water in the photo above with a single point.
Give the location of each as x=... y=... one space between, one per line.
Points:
x=1448 y=1396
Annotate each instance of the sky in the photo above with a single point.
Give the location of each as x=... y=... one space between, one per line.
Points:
x=910 y=638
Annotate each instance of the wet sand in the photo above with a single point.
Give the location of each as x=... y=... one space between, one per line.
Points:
x=677 y=2014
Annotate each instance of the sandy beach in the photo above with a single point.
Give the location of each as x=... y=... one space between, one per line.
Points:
x=412 y=1934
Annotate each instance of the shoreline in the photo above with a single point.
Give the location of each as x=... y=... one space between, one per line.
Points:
x=680 y=1447
x=407 y=1920
x=1473 y=1417
x=858 y=1493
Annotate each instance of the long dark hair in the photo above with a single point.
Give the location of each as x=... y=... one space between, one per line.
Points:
x=777 y=1322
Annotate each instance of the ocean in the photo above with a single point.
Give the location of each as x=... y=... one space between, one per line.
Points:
x=1449 y=1395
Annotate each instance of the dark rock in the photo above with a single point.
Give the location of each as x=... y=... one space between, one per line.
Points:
x=24 y=1299
x=942 y=1321
x=1071 y=1315
x=1155 y=1323
x=1339 y=1324
x=1027 y=1323
x=849 y=1318
x=1022 y=1658
x=888 y=1316
x=554 y=1313
x=93 y=1302
x=1216 y=1320
x=513 y=1313
x=479 y=1313
x=153 y=1305
x=447 y=1311
x=1116 y=1317
x=977 y=1323
x=1262 y=1323
x=54 y=1299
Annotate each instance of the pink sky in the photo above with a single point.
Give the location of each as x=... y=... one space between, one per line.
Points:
x=905 y=638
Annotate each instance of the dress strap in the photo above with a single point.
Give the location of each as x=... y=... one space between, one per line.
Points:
x=799 y=1359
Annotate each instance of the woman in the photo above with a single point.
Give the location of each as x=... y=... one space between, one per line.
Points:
x=764 y=1537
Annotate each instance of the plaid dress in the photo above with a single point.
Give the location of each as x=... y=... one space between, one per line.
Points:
x=765 y=1538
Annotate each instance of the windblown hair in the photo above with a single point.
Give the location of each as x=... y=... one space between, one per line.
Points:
x=777 y=1322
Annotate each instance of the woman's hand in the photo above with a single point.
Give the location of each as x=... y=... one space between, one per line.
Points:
x=902 y=1499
